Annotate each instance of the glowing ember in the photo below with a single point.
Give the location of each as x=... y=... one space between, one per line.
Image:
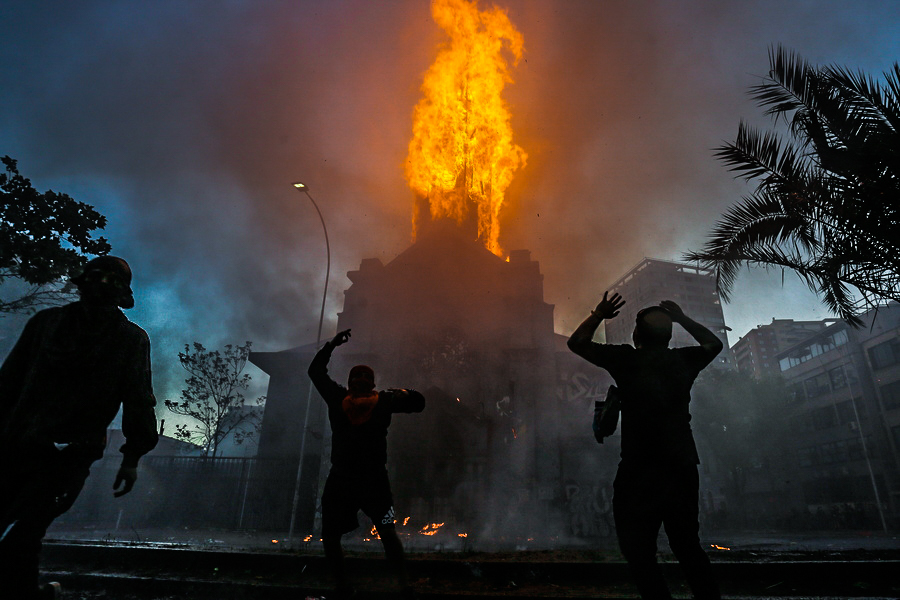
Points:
x=717 y=547
x=462 y=157
x=307 y=538
x=274 y=541
x=462 y=535
x=405 y=521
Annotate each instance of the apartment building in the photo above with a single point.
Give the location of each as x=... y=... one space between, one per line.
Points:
x=756 y=352
x=845 y=412
x=653 y=280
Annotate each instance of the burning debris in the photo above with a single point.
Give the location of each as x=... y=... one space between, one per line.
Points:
x=431 y=528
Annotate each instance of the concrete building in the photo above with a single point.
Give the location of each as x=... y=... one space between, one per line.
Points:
x=756 y=352
x=653 y=280
x=845 y=414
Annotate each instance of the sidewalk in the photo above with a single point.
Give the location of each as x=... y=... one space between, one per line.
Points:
x=716 y=542
x=753 y=566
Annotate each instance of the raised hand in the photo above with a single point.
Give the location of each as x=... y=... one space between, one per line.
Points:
x=608 y=307
x=673 y=309
x=342 y=337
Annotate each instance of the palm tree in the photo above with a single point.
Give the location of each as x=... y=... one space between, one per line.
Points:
x=827 y=202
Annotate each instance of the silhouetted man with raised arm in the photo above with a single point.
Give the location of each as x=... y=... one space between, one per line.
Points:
x=358 y=480
x=60 y=387
x=657 y=481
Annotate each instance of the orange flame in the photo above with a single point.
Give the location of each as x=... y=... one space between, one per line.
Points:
x=431 y=529
x=462 y=153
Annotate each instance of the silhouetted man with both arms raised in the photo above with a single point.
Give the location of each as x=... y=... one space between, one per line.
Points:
x=358 y=480
x=657 y=481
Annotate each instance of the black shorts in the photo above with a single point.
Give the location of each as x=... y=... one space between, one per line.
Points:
x=348 y=492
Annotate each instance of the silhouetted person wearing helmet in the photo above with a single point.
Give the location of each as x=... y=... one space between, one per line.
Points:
x=358 y=480
x=60 y=387
x=657 y=481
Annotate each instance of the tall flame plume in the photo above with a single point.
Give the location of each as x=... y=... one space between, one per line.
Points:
x=462 y=157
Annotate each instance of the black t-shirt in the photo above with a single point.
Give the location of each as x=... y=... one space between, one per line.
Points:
x=655 y=387
x=362 y=446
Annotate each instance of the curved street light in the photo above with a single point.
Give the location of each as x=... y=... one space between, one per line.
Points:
x=303 y=188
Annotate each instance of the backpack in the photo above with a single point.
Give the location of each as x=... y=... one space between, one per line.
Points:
x=606 y=414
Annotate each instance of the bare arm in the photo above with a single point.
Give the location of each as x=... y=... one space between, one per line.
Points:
x=706 y=338
x=581 y=339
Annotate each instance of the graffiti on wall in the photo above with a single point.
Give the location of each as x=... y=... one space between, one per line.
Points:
x=589 y=508
x=582 y=388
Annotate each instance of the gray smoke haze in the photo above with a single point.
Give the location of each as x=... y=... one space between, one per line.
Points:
x=186 y=122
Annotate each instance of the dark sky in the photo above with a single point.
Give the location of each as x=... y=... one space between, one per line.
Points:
x=186 y=121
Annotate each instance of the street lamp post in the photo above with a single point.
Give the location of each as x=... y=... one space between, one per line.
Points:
x=303 y=188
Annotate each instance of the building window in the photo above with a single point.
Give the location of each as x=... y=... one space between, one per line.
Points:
x=805 y=353
x=855 y=448
x=832 y=452
x=890 y=395
x=802 y=424
x=845 y=411
x=885 y=354
x=796 y=393
x=817 y=386
x=837 y=377
x=824 y=418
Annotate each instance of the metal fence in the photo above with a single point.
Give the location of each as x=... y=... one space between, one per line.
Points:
x=188 y=493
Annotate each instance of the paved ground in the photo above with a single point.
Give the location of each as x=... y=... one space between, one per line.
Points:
x=857 y=565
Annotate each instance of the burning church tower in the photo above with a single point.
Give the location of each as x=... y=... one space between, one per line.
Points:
x=452 y=316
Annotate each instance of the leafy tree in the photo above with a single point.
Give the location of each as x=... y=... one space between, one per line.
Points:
x=44 y=238
x=827 y=205
x=742 y=421
x=214 y=397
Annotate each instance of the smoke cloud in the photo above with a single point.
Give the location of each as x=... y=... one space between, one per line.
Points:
x=186 y=123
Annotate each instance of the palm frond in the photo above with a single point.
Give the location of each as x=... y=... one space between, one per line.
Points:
x=791 y=85
x=883 y=102
x=761 y=155
x=892 y=93
x=827 y=204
